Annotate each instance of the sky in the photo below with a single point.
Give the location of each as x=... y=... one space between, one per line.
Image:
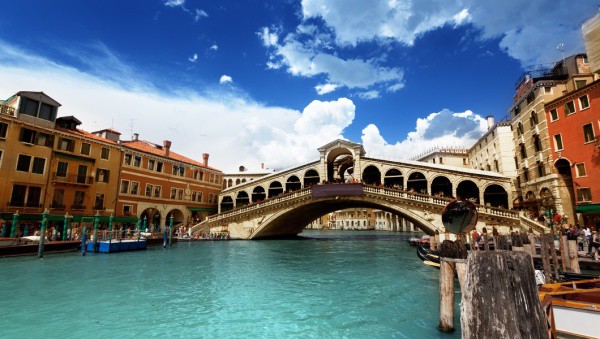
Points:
x=270 y=81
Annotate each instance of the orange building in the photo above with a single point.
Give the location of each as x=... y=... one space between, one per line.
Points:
x=157 y=183
x=573 y=128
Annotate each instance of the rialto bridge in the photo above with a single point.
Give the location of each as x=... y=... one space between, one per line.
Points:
x=283 y=203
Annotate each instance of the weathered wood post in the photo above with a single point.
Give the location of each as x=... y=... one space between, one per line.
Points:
x=486 y=244
x=573 y=256
x=435 y=242
x=502 y=243
x=495 y=237
x=43 y=234
x=554 y=255
x=516 y=242
x=503 y=300
x=564 y=249
x=546 y=243
x=451 y=253
x=532 y=241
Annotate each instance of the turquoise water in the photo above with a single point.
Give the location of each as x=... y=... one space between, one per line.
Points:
x=330 y=284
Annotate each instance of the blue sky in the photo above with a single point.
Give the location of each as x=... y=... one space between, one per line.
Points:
x=270 y=81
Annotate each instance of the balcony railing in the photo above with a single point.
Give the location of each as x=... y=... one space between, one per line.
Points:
x=24 y=204
x=77 y=207
x=7 y=110
x=57 y=206
x=544 y=72
x=73 y=178
x=99 y=208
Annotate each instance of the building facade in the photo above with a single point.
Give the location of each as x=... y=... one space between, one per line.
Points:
x=539 y=185
x=458 y=157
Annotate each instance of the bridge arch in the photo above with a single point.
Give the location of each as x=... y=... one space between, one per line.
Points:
x=441 y=185
x=496 y=196
x=371 y=175
x=468 y=190
x=275 y=189
x=242 y=199
x=393 y=178
x=226 y=204
x=258 y=194
x=292 y=183
x=417 y=182
x=338 y=157
x=178 y=216
x=311 y=177
x=292 y=220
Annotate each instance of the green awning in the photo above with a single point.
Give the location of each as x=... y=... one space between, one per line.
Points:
x=61 y=217
x=201 y=209
x=595 y=208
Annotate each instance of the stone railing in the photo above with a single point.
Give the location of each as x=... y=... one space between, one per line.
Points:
x=7 y=110
x=537 y=226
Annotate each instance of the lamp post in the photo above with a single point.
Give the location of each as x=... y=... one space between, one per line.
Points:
x=110 y=227
x=96 y=222
x=15 y=223
x=139 y=227
x=66 y=226
x=43 y=234
x=170 y=230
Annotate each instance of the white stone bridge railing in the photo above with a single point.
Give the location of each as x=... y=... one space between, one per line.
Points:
x=305 y=193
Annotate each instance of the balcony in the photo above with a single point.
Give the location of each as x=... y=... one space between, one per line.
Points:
x=72 y=179
x=23 y=204
x=521 y=139
x=77 y=207
x=536 y=130
x=539 y=157
x=524 y=163
x=57 y=206
x=552 y=71
x=99 y=208
x=7 y=110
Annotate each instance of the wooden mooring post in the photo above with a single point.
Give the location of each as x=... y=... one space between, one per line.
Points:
x=451 y=254
x=502 y=299
x=573 y=256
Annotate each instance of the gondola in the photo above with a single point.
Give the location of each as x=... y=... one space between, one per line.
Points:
x=429 y=257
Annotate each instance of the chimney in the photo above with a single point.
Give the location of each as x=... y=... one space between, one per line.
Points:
x=167 y=147
x=490 y=121
x=135 y=136
x=262 y=165
x=205 y=159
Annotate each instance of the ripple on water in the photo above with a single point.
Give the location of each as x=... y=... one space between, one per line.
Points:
x=335 y=284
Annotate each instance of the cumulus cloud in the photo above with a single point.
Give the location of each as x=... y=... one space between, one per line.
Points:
x=174 y=3
x=325 y=88
x=440 y=129
x=528 y=30
x=199 y=14
x=369 y=95
x=213 y=47
x=225 y=79
x=193 y=58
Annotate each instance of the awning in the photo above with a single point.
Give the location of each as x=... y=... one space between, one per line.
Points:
x=61 y=217
x=595 y=208
x=201 y=209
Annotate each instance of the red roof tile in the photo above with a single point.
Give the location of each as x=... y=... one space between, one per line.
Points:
x=85 y=134
x=151 y=148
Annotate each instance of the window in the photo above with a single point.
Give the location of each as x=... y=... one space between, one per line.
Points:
x=525 y=175
x=159 y=166
x=17 y=197
x=433 y=160
x=584 y=102
x=34 y=195
x=102 y=175
x=588 y=133
x=47 y=112
x=38 y=165
x=548 y=90
x=199 y=196
x=520 y=128
x=3 y=130
x=61 y=169
x=530 y=98
x=1 y=153
x=44 y=139
x=465 y=161
x=569 y=108
x=441 y=162
x=193 y=195
x=151 y=164
x=533 y=119
x=124 y=186
x=81 y=174
x=173 y=193
x=149 y=189
x=541 y=170
x=58 y=199
x=137 y=161
x=537 y=144
x=210 y=198
x=180 y=194
x=85 y=148
x=105 y=153
x=523 y=152
x=157 y=190
x=27 y=136
x=78 y=200
x=23 y=163
x=135 y=186
x=558 y=142
x=29 y=107
x=128 y=159
x=66 y=145
x=175 y=170
x=580 y=169
x=99 y=201
x=127 y=209
x=580 y=83
x=553 y=114
x=201 y=177
x=584 y=194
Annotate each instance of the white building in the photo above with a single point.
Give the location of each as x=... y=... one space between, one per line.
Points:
x=495 y=151
x=446 y=156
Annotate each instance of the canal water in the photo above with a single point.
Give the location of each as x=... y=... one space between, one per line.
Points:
x=326 y=284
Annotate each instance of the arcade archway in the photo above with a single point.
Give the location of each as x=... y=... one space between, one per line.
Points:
x=468 y=190
x=417 y=183
x=495 y=196
x=441 y=186
x=275 y=189
x=393 y=178
x=371 y=176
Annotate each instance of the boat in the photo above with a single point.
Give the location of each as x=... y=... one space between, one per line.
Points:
x=429 y=257
x=572 y=308
x=413 y=241
x=29 y=245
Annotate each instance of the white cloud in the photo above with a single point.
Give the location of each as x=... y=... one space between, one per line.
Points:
x=193 y=58
x=225 y=79
x=373 y=94
x=198 y=14
x=440 y=129
x=300 y=60
x=325 y=88
x=528 y=30
x=174 y=3
x=214 y=47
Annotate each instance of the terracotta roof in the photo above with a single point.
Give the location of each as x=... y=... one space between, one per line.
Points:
x=109 y=130
x=85 y=134
x=148 y=147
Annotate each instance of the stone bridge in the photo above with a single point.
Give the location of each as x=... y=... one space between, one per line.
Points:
x=283 y=203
